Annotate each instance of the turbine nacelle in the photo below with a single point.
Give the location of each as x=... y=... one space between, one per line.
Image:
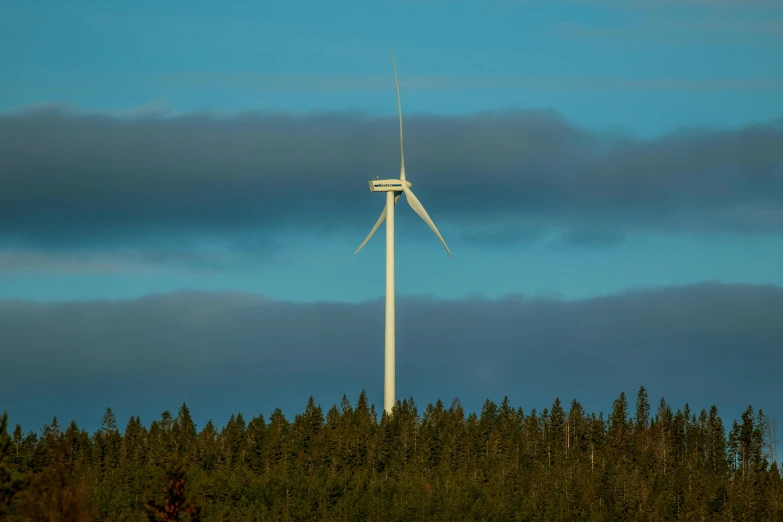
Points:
x=389 y=185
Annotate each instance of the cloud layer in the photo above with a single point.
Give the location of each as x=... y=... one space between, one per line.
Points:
x=87 y=179
x=223 y=352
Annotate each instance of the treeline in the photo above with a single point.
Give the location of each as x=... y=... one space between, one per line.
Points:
x=440 y=464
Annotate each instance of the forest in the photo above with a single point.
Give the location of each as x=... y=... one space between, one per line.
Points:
x=351 y=464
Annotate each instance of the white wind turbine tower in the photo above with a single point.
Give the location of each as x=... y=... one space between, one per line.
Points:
x=394 y=189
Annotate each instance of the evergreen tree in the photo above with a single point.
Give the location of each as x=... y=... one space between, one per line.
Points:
x=184 y=432
x=11 y=483
x=758 y=458
x=618 y=431
x=662 y=435
x=642 y=410
x=733 y=448
x=18 y=437
x=441 y=465
x=557 y=422
x=174 y=505
x=576 y=435
x=109 y=422
x=256 y=433
x=747 y=440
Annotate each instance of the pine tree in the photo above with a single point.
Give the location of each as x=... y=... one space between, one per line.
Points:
x=715 y=446
x=276 y=436
x=642 y=410
x=557 y=422
x=618 y=432
x=662 y=435
x=642 y=426
x=746 y=442
x=56 y=493
x=18 y=438
x=109 y=422
x=206 y=447
x=733 y=449
x=759 y=460
x=442 y=465
x=575 y=428
x=11 y=482
x=256 y=433
x=185 y=433
x=174 y=505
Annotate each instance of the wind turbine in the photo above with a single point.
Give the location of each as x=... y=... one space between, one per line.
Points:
x=394 y=189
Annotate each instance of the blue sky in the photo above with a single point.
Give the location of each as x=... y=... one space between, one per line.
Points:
x=600 y=146
x=648 y=66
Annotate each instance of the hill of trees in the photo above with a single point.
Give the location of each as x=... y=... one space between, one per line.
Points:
x=352 y=464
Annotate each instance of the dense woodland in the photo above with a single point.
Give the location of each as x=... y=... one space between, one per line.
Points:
x=561 y=463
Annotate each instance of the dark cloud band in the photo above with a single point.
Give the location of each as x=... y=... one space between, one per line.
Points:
x=72 y=178
x=707 y=343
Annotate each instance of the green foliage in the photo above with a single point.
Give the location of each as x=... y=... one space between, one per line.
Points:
x=431 y=463
x=174 y=504
x=11 y=482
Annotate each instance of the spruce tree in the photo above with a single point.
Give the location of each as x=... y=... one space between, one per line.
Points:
x=174 y=504
x=557 y=422
x=11 y=482
x=109 y=422
x=618 y=431
x=443 y=465
x=642 y=410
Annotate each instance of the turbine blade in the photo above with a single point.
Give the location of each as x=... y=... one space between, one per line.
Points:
x=417 y=207
x=399 y=113
x=377 y=224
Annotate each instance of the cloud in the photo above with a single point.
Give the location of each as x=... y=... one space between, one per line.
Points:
x=623 y=4
x=672 y=30
x=590 y=238
x=75 y=180
x=499 y=235
x=223 y=352
x=320 y=83
x=665 y=4
x=119 y=261
x=702 y=3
